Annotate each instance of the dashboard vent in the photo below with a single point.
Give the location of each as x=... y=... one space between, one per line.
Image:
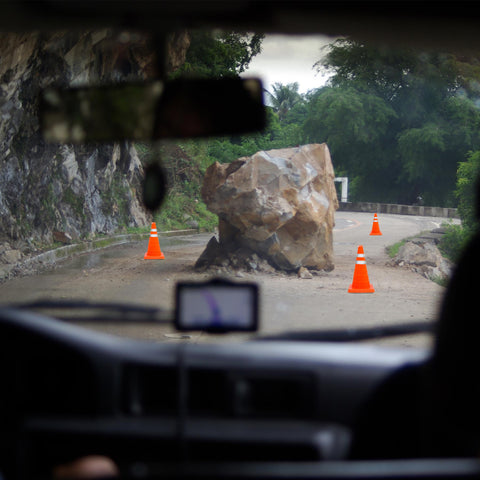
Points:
x=150 y=390
x=227 y=394
x=209 y=393
x=274 y=395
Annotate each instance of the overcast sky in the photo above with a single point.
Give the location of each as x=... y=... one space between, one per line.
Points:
x=288 y=59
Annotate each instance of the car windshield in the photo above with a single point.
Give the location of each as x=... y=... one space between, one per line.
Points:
x=348 y=210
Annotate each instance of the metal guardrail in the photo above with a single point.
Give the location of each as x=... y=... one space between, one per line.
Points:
x=397 y=209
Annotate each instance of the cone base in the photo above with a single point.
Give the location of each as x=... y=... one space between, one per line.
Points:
x=370 y=289
x=154 y=257
x=375 y=233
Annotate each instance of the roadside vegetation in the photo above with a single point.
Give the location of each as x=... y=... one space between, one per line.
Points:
x=467 y=193
x=400 y=124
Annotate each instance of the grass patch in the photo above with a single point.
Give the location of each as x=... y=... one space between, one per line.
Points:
x=137 y=230
x=392 y=250
x=103 y=242
x=443 y=282
x=179 y=210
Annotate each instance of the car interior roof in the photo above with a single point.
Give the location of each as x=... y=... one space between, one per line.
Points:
x=422 y=23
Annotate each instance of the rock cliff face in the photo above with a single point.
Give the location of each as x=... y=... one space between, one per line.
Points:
x=79 y=190
x=278 y=204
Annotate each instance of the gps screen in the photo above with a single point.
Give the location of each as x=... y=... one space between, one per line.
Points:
x=217 y=306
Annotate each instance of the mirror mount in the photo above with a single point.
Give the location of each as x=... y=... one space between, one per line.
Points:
x=160 y=45
x=154 y=187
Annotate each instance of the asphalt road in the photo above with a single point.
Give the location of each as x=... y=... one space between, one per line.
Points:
x=120 y=274
x=353 y=228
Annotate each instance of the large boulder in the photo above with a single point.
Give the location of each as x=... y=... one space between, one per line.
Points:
x=279 y=204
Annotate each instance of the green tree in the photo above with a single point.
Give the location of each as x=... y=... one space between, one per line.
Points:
x=394 y=74
x=355 y=126
x=468 y=194
x=377 y=70
x=396 y=120
x=219 y=54
x=284 y=97
x=420 y=149
x=467 y=191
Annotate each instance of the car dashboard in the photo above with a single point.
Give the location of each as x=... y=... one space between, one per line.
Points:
x=76 y=392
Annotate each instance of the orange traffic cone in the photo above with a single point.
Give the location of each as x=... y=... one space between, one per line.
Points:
x=375 y=227
x=360 y=282
x=154 y=252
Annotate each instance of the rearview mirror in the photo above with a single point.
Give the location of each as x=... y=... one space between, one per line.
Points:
x=177 y=109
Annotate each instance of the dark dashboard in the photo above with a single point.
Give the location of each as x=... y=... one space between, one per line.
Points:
x=71 y=391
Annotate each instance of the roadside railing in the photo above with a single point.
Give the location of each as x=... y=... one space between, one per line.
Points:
x=397 y=209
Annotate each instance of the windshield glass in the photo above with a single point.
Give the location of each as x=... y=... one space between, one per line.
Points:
x=346 y=210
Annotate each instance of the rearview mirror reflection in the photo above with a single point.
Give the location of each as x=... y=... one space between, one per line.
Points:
x=178 y=109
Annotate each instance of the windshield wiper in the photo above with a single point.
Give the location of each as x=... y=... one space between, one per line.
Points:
x=85 y=311
x=353 y=334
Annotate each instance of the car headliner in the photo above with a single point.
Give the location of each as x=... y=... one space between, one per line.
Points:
x=449 y=25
